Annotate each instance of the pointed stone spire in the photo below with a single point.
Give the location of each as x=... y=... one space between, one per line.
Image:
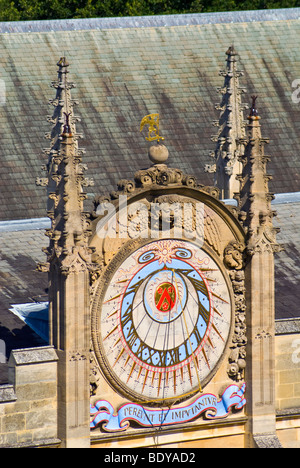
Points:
x=255 y=202
x=231 y=129
x=69 y=264
x=62 y=165
x=255 y=198
x=65 y=170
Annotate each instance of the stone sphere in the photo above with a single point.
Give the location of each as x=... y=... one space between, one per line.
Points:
x=158 y=154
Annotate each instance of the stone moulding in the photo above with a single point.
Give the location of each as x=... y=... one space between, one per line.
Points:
x=162 y=177
x=234 y=262
x=7 y=393
x=267 y=441
x=287 y=326
x=34 y=355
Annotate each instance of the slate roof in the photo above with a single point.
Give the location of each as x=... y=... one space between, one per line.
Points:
x=287 y=271
x=150 y=21
x=127 y=68
x=20 y=283
x=124 y=69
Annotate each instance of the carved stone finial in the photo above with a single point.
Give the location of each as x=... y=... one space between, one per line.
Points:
x=65 y=170
x=158 y=154
x=230 y=129
x=63 y=62
x=253 y=110
x=67 y=128
x=231 y=51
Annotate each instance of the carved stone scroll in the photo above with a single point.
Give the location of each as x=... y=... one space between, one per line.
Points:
x=234 y=261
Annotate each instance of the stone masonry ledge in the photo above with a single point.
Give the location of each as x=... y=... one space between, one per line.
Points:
x=44 y=443
x=21 y=357
x=287 y=326
x=33 y=355
x=7 y=393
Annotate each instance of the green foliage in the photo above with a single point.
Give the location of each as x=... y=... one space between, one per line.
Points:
x=24 y=10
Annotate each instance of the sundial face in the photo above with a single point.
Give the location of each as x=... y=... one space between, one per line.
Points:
x=164 y=322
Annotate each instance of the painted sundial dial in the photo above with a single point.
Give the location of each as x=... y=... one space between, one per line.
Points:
x=164 y=321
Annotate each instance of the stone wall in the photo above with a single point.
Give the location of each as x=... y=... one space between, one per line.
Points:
x=28 y=403
x=287 y=349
